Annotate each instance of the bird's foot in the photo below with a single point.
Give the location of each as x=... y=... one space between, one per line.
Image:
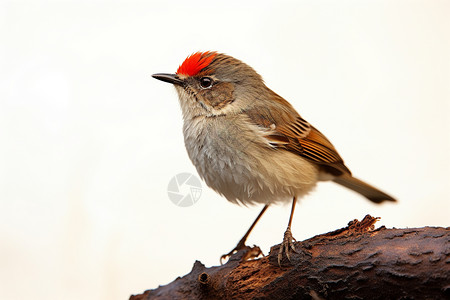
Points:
x=238 y=247
x=287 y=245
x=250 y=252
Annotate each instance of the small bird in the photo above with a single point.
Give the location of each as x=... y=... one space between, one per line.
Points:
x=249 y=144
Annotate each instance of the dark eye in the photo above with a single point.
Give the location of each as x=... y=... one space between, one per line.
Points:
x=206 y=82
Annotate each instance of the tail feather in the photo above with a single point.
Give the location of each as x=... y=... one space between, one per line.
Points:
x=368 y=191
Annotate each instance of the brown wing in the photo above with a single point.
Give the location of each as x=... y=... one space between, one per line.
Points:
x=296 y=135
x=305 y=140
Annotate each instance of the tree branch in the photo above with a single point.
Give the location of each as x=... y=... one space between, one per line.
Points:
x=355 y=262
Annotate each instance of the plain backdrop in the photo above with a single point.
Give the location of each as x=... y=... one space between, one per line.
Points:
x=89 y=141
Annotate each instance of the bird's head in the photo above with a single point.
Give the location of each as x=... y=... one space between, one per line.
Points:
x=212 y=84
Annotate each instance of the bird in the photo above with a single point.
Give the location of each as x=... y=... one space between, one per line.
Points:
x=249 y=144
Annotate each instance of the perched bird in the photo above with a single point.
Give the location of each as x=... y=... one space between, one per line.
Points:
x=248 y=143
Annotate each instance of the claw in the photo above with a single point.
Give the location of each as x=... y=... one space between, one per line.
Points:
x=223 y=257
x=251 y=252
x=286 y=246
x=226 y=256
x=238 y=247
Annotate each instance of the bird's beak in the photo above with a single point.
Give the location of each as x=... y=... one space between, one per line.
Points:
x=170 y=78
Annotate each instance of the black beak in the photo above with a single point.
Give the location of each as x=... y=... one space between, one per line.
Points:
x=170 y=78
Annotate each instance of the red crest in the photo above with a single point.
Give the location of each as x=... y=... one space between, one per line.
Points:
x=195 y=62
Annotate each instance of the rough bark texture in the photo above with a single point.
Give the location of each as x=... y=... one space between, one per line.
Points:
x=355 y=262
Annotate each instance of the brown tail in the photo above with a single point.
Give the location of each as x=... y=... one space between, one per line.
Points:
x=368 y=191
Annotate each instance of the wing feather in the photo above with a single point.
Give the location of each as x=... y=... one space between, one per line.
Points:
x=293 y=133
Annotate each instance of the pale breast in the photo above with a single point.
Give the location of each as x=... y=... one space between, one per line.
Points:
x=236 y=161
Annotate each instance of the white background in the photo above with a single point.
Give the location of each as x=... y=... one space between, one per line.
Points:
x=89 y=141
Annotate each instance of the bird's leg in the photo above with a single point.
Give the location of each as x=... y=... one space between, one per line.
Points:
x=241 y=245
x=288 y=239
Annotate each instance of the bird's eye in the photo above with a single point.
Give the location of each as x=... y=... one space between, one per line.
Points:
x=206 y=82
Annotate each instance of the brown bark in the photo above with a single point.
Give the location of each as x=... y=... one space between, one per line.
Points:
x=355 y=262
